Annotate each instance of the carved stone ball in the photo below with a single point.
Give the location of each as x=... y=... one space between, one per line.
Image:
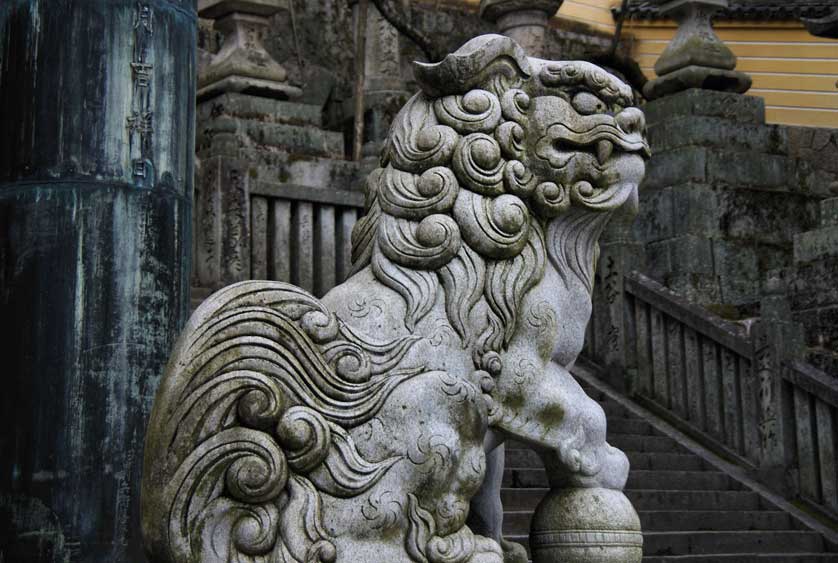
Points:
x=586 y=526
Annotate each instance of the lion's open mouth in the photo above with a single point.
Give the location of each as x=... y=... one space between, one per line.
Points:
x=601 y=140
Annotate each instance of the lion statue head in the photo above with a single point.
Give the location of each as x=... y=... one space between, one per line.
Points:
x=476 y=170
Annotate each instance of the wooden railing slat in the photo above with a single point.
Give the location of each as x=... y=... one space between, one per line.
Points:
x=731 y=399
x=675 y=367
x=660 y=378
x=346 y=221
x=824 y=417
x=281 y=240
x=304 y=242
x=712 y=387
x=259 y=238
x=643 y=345
x=325 y=249
x=748 y=387
x=806 y=450
x=694 y=378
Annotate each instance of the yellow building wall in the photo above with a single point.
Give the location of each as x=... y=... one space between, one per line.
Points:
x=794 y=71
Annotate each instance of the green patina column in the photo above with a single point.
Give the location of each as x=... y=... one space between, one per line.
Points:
x=96 y=165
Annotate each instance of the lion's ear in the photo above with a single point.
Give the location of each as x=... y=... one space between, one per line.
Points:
x=491 y=62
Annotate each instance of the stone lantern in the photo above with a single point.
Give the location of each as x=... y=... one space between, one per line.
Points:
x=242 y=64
x=696 y=57
x=525 y=21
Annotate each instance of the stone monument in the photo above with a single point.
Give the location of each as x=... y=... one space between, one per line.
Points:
x=356 y=428
x=696 y=57
x=242 y=64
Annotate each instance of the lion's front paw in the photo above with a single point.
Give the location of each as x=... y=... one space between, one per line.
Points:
x=513 y=552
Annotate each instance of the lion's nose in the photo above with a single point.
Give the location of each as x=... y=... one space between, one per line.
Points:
x=631 y=120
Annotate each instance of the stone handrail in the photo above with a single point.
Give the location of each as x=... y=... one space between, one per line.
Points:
x=745 y=394
x=697 y=318
x=695 y=367
x=301 y=234
x=811 y=400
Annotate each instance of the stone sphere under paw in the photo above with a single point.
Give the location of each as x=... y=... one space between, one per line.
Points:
x=586 y=526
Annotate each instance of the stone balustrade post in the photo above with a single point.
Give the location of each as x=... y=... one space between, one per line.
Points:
x=612 y=338
x=776 y=340
x=385 y=90
x=242 y=64
x=696 y=57
x=525 y=21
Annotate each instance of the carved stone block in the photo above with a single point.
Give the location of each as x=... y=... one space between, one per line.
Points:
x=358 y=428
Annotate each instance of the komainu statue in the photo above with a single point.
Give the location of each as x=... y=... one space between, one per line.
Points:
x=357 y=428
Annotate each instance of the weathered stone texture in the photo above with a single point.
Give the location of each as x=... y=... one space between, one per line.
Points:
x=703 y=103
x=354 y=427
x=721 y=175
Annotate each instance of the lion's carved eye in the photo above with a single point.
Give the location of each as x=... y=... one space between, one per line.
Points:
x=588 y=104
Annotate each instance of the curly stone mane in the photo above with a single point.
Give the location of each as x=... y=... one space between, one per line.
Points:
x=455 y=202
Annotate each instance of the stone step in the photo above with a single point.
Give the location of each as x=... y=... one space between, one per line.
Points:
x=629 y=426
x=665 y=461
x=681 y=480
x=705 y=543
x=632 y=443
x=707 y=547
x=521 y=499
x=714 y=520
x=524 y=458
x=521 y=458
x=614 y=410
x=649 y=499
x=642 y=479
x=517 y=522
x=747 y=558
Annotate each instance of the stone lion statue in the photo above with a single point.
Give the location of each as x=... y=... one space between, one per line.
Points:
x=357 y=428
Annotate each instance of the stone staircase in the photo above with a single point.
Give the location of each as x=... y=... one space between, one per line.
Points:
x=690 y=511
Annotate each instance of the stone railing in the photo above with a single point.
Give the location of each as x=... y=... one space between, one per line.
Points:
x=695 y=367
x=739 y=389
x=811 y=404
x=302 y=234
x=248 y=229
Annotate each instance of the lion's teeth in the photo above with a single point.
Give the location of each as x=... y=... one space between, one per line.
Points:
x=604 y=149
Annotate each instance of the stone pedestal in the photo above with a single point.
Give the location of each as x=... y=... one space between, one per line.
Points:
x=696 y=57
x=96 y=168
x=525 y=21
x=242 y=64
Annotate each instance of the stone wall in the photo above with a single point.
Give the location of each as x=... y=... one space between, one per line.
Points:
x=725 y=205
x=724 y=195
